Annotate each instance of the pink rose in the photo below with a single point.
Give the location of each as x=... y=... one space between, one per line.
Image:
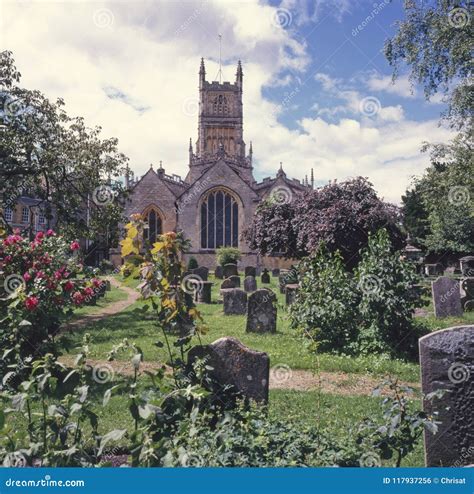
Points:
x=69 y=286
x=31 y=303
x=50 y=233
x=39 y=236
x=27 y=276
x=75 y=245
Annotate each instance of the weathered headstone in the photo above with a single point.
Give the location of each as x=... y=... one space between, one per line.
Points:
x=275 y=272
x=235 y=280
x=227 y=283
x=265 y=278
x=282 y=281
x=261 y=311
x=447 y=363
x=250 y=284
x=202 y=272
x=230 y=270
x=203 y=295
x=250 y=271
x=234 y=364
x=446 y=297
x=219 y=272
x=235 y=302
x=290 y=293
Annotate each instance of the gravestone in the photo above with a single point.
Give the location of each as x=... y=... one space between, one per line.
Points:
x=227 y=283
x=282 y=281
x=447 y=362
x=235 y=302
x=202 y=272
x=466 y=265
x=275 y=272
x=203 y=295
x=233 y=364
x=108 y=285
x=230 y=270
x=235 y=280
x=290 y=293
x=250 y=271
x=250 y=284
x=265 y=278
x=433 y=269
x=261 y=312
x=467 y=293
x=446 y=297
x=219 y=272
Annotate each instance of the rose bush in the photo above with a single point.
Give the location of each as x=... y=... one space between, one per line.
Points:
x=39 y=286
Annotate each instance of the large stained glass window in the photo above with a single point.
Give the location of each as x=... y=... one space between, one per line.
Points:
x=219 y=220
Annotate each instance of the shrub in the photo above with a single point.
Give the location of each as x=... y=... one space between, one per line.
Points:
x=192 y=263
x=106 y=266
x=387 y=300
x=326 y=302
x=39 y=286
x=227 y=255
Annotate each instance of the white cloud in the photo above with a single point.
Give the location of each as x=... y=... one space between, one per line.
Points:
x=384 y=83
x=136 y=76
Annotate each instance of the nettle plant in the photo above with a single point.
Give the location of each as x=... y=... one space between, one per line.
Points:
x=39 y=287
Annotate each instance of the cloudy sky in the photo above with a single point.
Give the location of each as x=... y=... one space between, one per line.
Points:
x=317 y=88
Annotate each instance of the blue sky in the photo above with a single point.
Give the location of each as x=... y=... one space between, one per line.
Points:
x=317 y=90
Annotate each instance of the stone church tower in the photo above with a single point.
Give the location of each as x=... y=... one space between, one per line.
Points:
x=216 y=201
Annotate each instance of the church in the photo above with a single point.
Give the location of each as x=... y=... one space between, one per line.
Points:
x=216 y=200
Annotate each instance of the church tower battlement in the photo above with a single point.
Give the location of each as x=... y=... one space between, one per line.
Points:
x=220 y=121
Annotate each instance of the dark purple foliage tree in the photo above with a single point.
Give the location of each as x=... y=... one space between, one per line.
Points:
x=339 y=214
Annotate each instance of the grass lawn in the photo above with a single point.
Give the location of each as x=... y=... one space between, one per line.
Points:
x=115 y=295
x=283 y=347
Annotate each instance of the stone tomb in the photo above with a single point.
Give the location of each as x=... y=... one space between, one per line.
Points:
x=234 y=364
x=262 y=311
x=250 y=284
x=446 y=297
x=235 y=302
x=447 y=363
x=235 y=280
x=290 y=293
x=250 y=271
x=230 y=270
x=202 y=272
x=219 y=272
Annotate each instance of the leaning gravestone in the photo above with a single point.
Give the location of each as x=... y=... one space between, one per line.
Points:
x=265 y=278
x=230 y=270
x=261 y=312
x=447 y=363
x=235 y=280
x=235 y=302
x=219 y=272
x=202 y=272
x=250 y=271
x=250 y=284
x=234 y=364
x=446 y=297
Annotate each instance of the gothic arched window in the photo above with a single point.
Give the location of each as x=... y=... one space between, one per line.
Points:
x=154 y=224
x=219 y=220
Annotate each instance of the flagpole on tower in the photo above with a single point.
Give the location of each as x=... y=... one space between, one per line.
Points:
x=220 y=59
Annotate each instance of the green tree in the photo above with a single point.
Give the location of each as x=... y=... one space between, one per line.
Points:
x=57 y=159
